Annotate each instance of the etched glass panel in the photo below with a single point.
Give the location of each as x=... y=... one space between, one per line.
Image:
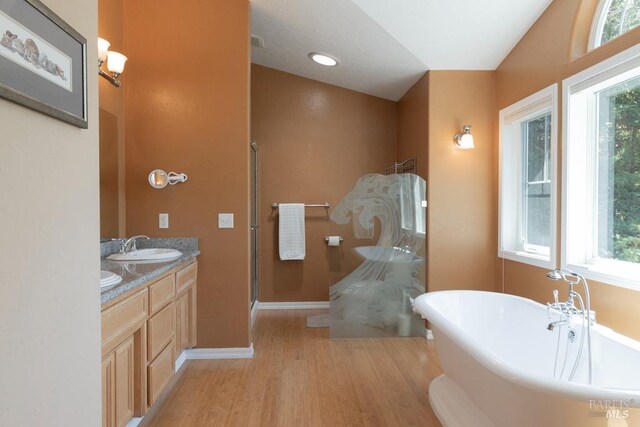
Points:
x=374 y=300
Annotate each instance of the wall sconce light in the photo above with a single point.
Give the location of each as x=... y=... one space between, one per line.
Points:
x=115 y=62
x=464 y=140
x=159 y=178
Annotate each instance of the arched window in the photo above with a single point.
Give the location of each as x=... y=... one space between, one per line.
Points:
x=614 y=18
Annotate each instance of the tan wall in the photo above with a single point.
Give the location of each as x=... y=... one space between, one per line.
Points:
x=545 y=56
x=413 y=125
x=187 y=110
x=314 y=141
x=461 y=231
x=413 y=137
x=49 y=257
x=112 y=150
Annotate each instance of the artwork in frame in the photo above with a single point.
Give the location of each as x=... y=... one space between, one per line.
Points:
x=43 y=61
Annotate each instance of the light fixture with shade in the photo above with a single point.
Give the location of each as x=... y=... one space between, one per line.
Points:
x=322 y=59
x=103 y=48
x=464 y=140
x=115 y=62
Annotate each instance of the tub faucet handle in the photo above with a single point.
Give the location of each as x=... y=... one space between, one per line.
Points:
x=555 y=298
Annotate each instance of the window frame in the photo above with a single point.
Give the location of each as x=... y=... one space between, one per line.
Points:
x=597 y=25
x=510 y=225
x=577 y=248
x=531 y=248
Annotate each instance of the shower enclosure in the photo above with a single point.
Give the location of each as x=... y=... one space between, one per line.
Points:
x=374 y=300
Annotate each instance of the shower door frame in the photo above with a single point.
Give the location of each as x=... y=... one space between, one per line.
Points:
x=254 y=225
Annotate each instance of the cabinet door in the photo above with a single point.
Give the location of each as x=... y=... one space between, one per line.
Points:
x=108 y=390
x=192 y=317
x=160 y=372
x=124 y=359
x=182 y=323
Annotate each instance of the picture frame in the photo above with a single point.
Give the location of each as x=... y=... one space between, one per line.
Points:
x=43 y=61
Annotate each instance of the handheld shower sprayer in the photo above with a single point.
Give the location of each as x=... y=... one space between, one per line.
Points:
x=569 y=309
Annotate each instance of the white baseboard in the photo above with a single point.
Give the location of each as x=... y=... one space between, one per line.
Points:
x=219 y=353
x=304 y=305
x=133 y=422
x=180 y=360
x=212 y=354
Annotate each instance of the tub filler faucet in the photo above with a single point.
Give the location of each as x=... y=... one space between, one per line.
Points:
x=568 y=309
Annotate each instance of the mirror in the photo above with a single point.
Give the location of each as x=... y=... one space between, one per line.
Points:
x=158 y=178
x=110 y=184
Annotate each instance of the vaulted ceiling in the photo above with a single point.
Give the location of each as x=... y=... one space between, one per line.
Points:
x=384 y=46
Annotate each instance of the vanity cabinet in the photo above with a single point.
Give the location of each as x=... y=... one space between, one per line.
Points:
x=143 y=333
x=125 y=382
x=186 y=309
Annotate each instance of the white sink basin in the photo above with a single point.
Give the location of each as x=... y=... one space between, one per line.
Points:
x=389 y=254
x=155 y=254
x=108 y=278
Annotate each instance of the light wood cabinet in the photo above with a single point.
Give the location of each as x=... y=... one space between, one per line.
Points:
x=142 y=335
x=125 y=381
x=186 y=319
x=182 y=323
x=161 y=293
x=123 y=319
x=160 y=330
x=160 y=372
x=108 y=390
x=186 y=277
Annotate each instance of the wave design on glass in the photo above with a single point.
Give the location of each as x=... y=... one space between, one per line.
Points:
x=374 y=300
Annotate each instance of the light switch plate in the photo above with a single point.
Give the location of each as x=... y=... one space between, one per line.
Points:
x=163 y=220
x=225 y=220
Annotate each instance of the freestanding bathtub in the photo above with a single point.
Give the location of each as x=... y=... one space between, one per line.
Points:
x=501 y=366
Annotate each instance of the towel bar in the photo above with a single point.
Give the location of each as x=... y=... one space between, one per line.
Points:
x=323 y=205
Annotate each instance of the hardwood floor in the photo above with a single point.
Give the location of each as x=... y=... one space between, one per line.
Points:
x=300 y=377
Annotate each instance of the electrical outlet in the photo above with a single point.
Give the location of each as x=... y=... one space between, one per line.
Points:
x=163 y=220
x=225 y=220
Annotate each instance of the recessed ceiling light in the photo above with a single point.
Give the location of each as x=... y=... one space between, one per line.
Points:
x=323 y=59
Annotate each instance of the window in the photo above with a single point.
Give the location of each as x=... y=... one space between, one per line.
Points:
x=614 y=18
x=527 y=179
x=601 y=200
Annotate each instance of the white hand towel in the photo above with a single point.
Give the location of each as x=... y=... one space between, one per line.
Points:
x=292 y=240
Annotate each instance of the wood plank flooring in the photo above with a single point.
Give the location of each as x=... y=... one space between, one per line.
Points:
x=300 y=377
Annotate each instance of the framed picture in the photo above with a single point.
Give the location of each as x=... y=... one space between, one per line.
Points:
x=43 y=61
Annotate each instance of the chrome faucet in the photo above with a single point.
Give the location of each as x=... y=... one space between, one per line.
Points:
x=568 y=309
x=562 y=322
x=129 y=245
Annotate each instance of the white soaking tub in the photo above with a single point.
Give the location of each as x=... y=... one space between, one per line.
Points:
x=501 y=365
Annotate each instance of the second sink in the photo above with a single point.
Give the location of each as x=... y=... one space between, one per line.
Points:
x=159 y=254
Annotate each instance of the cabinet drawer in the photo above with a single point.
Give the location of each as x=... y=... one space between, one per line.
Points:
x=186 y=277
x=161 y=293
x=160 y=330
x=159 y=373
x=123 y=319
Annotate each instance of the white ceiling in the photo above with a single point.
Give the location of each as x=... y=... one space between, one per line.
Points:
x=384 y=46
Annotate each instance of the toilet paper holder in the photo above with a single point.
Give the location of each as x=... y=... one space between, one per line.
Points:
x=326 y=239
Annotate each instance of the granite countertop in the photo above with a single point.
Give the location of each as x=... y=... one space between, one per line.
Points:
x=136 y=274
